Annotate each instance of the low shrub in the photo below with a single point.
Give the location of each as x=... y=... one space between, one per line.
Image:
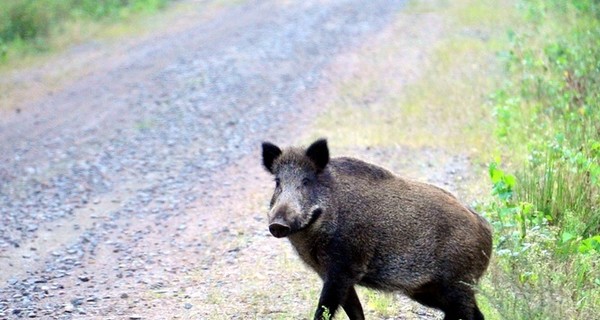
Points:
x=546 y=216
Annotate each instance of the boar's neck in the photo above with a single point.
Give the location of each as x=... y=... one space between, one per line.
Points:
x=311 y=242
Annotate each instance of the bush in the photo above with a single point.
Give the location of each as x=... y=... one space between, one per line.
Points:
x=539 y=271
x=546 y=217
x=550 y=112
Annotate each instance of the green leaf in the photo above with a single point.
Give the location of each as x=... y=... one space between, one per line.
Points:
x=566 y=237
x=589 y=244
x=495 y=173
x=509 y=179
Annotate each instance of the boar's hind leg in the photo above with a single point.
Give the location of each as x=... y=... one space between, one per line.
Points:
x=461 y=305
x=429 y=295
x=352 y=306
x=456 y=301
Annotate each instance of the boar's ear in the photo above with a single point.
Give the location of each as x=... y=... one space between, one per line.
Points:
x=318 y=153
x=270 y=152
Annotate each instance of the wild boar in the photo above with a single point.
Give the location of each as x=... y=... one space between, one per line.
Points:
x=356 y=223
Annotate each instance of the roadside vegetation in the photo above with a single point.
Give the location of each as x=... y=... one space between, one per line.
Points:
x=32 y=26
x=546 y=180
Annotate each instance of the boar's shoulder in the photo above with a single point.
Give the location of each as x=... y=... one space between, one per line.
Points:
x=346 y=166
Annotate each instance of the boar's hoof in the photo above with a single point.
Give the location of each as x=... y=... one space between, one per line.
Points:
x=279 y=230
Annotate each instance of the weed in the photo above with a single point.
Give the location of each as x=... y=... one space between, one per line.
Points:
x=546 y=216
x=539 y=271
x=549 y=112
x=326 y=313
x=381 y=303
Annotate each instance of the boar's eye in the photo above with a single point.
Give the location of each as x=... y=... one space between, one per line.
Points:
x=305 y=182
x=277 y=182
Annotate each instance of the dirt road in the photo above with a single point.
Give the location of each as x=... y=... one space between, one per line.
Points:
x=133 y=190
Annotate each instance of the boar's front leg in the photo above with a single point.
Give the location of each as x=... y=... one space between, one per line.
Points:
x=352 y=306
x=338 y=288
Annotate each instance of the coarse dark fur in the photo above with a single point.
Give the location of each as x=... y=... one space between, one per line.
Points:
x=356 y=223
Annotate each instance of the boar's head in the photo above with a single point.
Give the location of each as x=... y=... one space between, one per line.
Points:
x=301 y=186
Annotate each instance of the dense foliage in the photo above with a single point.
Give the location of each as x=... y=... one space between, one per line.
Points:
x=547 y=215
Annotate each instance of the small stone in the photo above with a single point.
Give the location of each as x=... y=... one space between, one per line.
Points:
x=84 y=278
x=69 y=308
x=124 y=296
x=135 y=317
x=187 y=306
x=26 y=301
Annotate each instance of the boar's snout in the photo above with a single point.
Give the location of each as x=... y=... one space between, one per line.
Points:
x=279 y=230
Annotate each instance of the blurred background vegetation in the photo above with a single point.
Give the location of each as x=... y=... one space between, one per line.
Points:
x=546 y=214
x=29 y=26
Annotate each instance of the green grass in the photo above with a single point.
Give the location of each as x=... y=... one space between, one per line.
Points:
x=32 y=26
x=382 y=304
x=547 y=215
x=555 y=75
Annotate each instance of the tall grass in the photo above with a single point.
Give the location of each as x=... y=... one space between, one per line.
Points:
x=547 y=215
x=27 y=24
x=556 y=76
